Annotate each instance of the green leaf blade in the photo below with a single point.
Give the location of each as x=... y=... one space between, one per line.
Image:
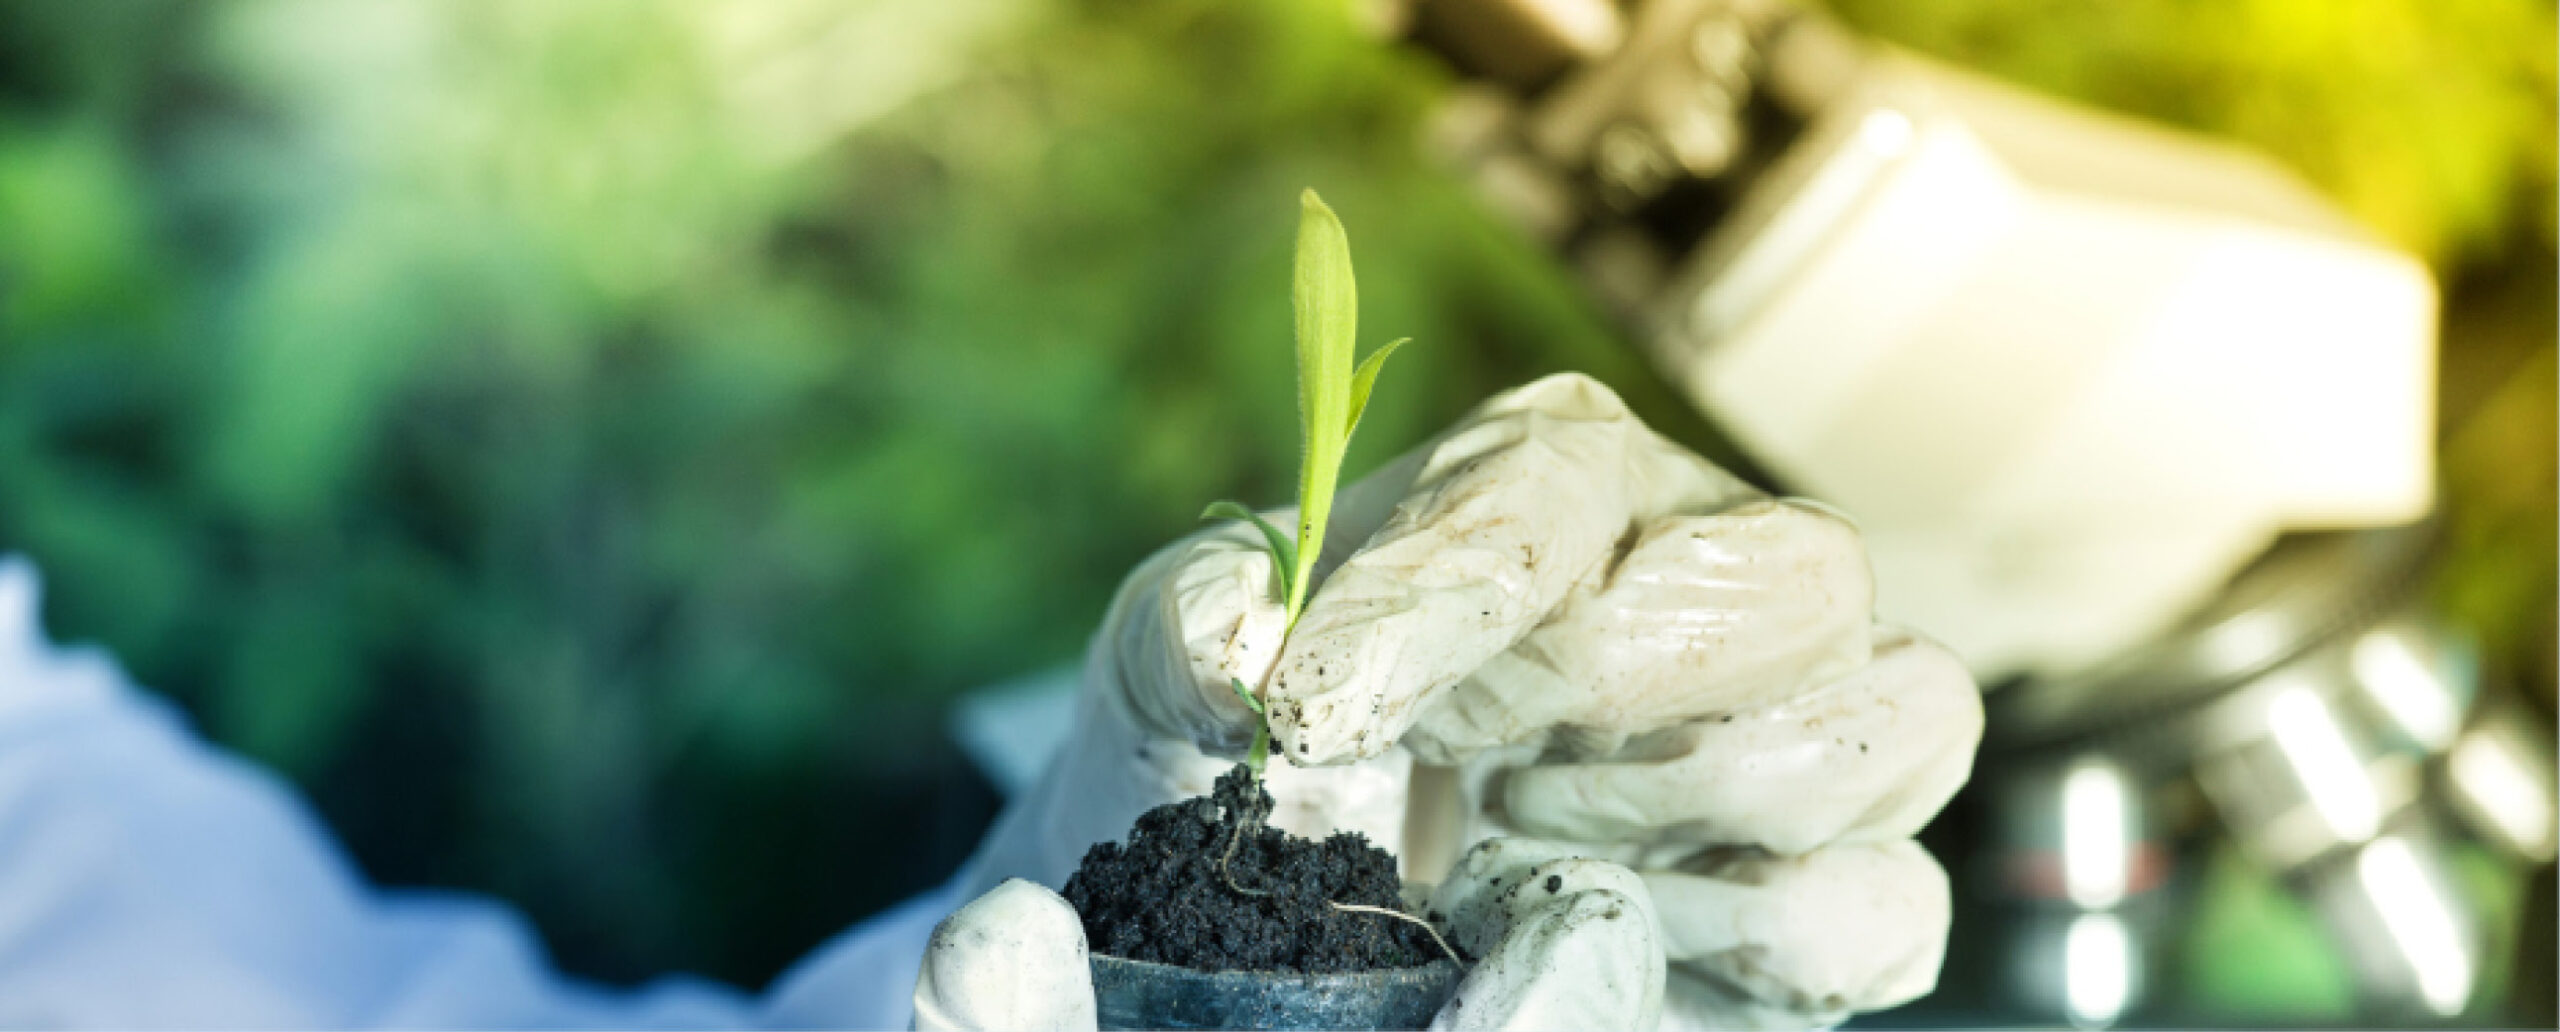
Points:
x=1284 y=556
x=1366 y=378
x=1327 y=306
x=1246 y=694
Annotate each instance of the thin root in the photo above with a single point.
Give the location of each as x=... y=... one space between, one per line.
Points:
x=1226 y=862
x=1402 y=916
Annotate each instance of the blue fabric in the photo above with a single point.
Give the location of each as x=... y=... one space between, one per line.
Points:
x=148 y=880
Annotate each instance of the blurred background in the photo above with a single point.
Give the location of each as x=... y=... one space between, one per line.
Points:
x=593 y=447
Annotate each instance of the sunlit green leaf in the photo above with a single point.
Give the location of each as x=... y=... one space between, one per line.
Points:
x=1328 y=319
x=1366 y=378
x=1245 y=693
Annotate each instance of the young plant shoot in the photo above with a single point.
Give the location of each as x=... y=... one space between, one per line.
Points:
x=1149 y=898
x=1332 y=391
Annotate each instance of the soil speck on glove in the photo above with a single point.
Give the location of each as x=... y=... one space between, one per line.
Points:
x=1162 y=898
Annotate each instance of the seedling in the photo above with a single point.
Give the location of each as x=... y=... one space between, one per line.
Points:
x=1332 y=392
x=1214 y=924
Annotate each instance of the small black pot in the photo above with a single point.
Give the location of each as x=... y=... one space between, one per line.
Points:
x=1133 y=994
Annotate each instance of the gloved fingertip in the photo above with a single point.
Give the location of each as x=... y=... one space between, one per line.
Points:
x=1327 y=728
x=1041 y=914
x=1585 y=960
x=1012 y=958
x=1572 y=395
x=1766 y=928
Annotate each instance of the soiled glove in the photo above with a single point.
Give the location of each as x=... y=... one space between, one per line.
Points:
x=1586 y=634
x=1561 y=941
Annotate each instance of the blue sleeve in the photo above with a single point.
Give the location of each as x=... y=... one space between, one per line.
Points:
x=148 y=880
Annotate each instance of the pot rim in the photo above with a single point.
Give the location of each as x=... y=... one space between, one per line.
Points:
x=1414 y=973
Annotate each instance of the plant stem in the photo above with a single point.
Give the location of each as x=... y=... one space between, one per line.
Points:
x=1260 y=754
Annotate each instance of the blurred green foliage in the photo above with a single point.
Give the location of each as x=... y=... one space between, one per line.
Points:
x=582 y=441
x=588 y=408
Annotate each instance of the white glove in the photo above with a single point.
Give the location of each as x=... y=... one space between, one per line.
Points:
x=1617 y=645
x=1014 y=958
x=1561 y=941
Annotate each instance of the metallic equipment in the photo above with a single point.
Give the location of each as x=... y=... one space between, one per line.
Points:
x=2070 y=370
x=2324 y=719
x=2132 y=419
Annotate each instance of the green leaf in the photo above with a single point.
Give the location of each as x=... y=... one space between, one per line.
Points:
x=1245 y=693
x=1364 y=379
x=1331 y=396
x=1284 y=556
x=1328 y=306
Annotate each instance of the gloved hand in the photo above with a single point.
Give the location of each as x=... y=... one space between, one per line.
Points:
x=1613 y=644
x=1560 y=941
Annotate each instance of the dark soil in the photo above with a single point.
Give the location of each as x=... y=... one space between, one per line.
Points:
x=1163 y=898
